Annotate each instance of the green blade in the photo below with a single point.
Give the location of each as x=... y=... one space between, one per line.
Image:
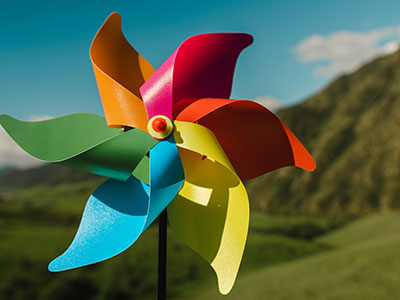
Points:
x=82 y=141
x=142 y=171
x=60 y=138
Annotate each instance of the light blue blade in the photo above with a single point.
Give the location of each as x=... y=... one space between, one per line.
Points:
x=166 y=177
x=114 y=217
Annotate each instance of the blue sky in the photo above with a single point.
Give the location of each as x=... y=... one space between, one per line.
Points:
x=299 y=46
x=45 y=67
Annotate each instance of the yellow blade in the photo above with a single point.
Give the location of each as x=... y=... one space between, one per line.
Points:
x=211 y=212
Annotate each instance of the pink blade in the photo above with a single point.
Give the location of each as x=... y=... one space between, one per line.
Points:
x=202 y=66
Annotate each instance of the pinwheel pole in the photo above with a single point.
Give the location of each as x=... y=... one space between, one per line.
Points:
x=162 y=255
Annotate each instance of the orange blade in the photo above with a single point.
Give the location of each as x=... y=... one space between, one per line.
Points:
x=119 y=71
x=253 y=138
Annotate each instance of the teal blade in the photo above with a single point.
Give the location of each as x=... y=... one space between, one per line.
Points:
x=166 y=177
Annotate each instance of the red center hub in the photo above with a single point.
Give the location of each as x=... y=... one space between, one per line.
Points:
x=159 y=124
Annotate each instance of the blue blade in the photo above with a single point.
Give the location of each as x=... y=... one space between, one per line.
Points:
x=118 y=212
x=114 y=217
x=166 y=177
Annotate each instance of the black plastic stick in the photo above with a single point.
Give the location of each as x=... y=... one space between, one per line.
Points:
x=162 y=255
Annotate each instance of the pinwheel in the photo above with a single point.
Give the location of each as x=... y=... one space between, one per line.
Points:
x=174 y=138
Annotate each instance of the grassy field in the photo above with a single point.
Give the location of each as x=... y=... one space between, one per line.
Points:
x=40 y=211
x=27 y=246
x=362 y=263
x=286 y=257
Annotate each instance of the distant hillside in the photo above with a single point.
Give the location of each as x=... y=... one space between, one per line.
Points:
x=352 y=128
x=49 y=193
x=5 y=169
x=48 y=174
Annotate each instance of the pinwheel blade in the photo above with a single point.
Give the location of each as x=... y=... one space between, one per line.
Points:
x=211 y=212
x=114 y=217
x=120 y=70
x=166 y=177
x=82 y=141
x=202 y=66
x=118 y=212
x=253 y=138
x=142 y=171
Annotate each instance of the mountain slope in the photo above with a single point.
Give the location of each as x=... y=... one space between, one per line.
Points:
x=49 y=174
x=352 y=129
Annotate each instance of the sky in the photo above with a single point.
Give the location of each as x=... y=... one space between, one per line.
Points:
x=299 y=47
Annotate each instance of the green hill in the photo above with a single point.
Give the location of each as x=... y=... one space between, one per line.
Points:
x=352 y=128
x=359 y=266
x=47 y=194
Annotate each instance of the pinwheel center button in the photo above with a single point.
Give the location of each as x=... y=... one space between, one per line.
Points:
x=160 y=127
x=159 y=124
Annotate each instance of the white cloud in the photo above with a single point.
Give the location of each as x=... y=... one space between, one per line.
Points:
x=345 y=51
x=390 y=47
x=35 y=118
x=11 y=155
x=269 y=102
